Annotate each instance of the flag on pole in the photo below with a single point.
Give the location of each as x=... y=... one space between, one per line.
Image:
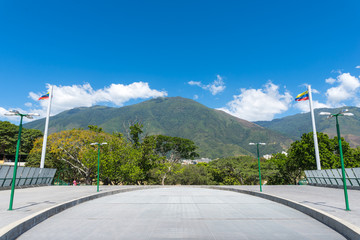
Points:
x=46 y=96
x=302 y=96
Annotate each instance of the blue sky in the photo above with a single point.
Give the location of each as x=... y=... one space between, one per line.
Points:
x=249 y=58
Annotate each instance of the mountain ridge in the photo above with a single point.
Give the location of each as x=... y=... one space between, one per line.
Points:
x=295 y=125
x=218 y=134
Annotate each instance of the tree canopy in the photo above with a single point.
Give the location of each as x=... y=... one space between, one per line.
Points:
x=9 y=136
x=301 y=156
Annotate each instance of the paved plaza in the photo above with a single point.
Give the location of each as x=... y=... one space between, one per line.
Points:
x=181 y=213
x=329 y=200
x=178 y=213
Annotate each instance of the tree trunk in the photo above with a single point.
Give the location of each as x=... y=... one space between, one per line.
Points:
x=165 y=175
x=163 y=180
x=88 y=180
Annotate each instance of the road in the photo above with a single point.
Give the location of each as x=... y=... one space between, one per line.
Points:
x=181 y=213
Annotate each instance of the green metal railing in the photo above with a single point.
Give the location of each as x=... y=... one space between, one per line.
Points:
x=26 y=176
x=334 y=177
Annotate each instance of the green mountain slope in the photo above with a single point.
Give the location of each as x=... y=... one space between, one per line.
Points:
x=217 y=133
x=294 y=126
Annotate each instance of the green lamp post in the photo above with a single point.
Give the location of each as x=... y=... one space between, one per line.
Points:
x=342 y=113
x=258 y=155
x=13 y=183
x=98 y=170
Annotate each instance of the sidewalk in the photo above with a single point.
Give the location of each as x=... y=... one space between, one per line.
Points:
x=30 y=201
x=329 y=200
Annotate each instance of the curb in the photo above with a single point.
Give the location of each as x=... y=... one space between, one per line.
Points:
x=15 y=229
x=346 y=229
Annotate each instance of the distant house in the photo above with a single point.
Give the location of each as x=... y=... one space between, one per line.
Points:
x=195 y=161
x=268 y=156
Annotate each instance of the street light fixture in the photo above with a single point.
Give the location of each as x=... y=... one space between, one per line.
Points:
x=344 y=112
x=29 y=116
x=98 y=171
x=258 y=155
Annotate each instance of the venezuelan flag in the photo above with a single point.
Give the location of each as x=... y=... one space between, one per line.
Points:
x=46 y=96
x=302 y=96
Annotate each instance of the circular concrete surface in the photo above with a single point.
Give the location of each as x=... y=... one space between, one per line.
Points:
x=181 y=213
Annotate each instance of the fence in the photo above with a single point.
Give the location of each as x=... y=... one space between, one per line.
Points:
x=333 y=177
x=26 y=176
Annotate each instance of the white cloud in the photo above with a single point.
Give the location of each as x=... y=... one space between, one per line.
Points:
x=259 y=104
x=346 y=90
x=339 y=71
x=357 y=66
x=2 y=112
x=196 y=97
x=193 y=83
x=330 y=80
x=68 y=97
x=304 y=105
x=313 y=90
x=215 y=87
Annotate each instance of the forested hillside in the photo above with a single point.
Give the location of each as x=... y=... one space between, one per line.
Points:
x=294 y=126
x=216 y=133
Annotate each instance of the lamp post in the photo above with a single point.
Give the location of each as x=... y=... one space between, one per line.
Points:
x=258 y=155
x=28 y=115
x=341 y=113
x=98 y=171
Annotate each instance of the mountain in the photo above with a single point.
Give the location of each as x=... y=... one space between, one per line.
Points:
x=216 y=133
x=294 y=126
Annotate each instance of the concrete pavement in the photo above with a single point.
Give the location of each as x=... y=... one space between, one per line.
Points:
x=329 y=200
x=30 y=202
x=181 y=213
x=33 y=205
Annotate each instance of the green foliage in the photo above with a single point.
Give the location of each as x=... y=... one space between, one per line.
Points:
x=241 y=170
x=9 y=136
x=152 y=161
x=95 y=128
x=172 y=150
x=135 y=133
x=287 y=170
x=301 y=156
x=303 y=152
x=73 y=149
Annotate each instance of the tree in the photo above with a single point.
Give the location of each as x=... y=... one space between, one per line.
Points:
x=28 y=138
x=121 y=162
x=193 y=174
x=240 y=170
x=356 y=155
x=287 y=171
x=9 y=136
x=135 y=133
x=95 y=128
x=72 y=148
x=301 y=156
x=302 y=152
x=172 y=149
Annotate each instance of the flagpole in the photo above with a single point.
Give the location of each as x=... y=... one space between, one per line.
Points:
x=46 y=129
x=318 y=165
